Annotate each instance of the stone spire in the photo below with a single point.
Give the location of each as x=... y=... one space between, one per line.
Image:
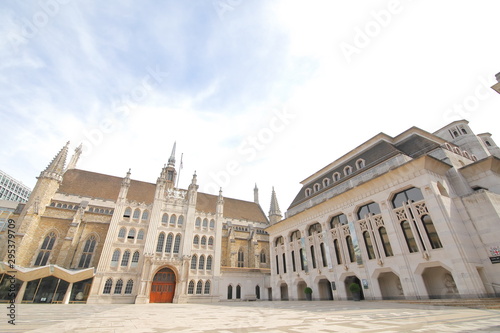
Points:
x=171 y=160
x=74 y=158
x=219 y=210
x=124 y=187
x=274 y=211
x=256 y=194
x=55 y=169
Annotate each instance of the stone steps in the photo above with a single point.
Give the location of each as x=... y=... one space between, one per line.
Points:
x=475 y=303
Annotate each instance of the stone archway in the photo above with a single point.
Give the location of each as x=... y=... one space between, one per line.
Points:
x=284 y=291
x=390 y=286
x=352 y=279
x=163 y=286
x=439 y=283
x=301 y=286
x=325 y=290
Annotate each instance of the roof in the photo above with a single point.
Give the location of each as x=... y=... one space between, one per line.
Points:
x=96 y=185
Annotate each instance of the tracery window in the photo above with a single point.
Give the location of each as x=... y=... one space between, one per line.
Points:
x=45 y=249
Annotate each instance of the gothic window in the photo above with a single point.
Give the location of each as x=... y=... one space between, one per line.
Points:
x=173 y=218
x=385 y=242
x=207 y=288
x=45 y=249
x=145 y=215
x=199 y=287
x=194 y=260
x=180 y=220
x=131 y=234
x=135 y=259
x=168 y=244
x=369 y=245
x=241 y=258
x=410 y=240
x=295 y=235
x=431 y=232
x=191 y=287
x=177 y=243
x=257 y=291
x=115 y=258
x=337 y=251
x=201 y=262
x=196 y=240
x=314 y=228
x=88 y=251
x=107 y=286
x=338 y=220
x=122 y=232
x=238 y=292
x=140 y=235
x=164 y=218
x=210 y=241
x=125 y=258
x=313 y=257
x=279 y=241
x=212 y=224
x=412 y=194
x=323 y=254
x=293 y=261
x=262 y=257
x=137 y=213
x=198 y=222
x=128 y=212
x=129 y=286
x=209 y=263
x=229 y=292
x=159 y=244
x=205 y=223
x=118 y=286
x=350 y=247
x=371 y=208
x=203 y=241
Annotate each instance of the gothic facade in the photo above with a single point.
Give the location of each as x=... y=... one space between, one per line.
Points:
x=406 y=217
x=95 y=238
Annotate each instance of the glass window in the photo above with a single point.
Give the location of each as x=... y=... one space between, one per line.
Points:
x=198 y=222
x=212 y=224
x=131 y=234
x=412 y=194
x=284 y=263
x=241 y=258
x=107 y=286
x=88 y=251
x=145 y=215
x=177 y=243
x=203 y=240
x=115 y=258
x=45 y=249
x=350 y=247
x=135 y=259
x=161 y=240
x=230 y=292
x=302 y=259
x=173 y=219
x=201 y=262
x=199 y=287
x=315 y=228
x=313 y=257
x=369 y=245
x=125 y=258
x=410 y=240
x=323 y=254
x=340 y=219
x=385 y=242
x=137 y=213
x=129 y=287
x=127 y=212
x=209 y=263
x=277 y=265
x=194 y=260
x=293 y=261
x=371 y=208
x=191 y=287
x=180 y=220
x=205 y=223
x=207 y=288
x=164 y=218
x=168 y=245
x=337 y=251
x=122 y=232
x=118 y=286
x=431 y=232
x=262 y=257
x=196 y=240
x=140 y=235
x=210 y=241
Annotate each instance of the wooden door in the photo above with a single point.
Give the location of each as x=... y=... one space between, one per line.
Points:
x=163 y=287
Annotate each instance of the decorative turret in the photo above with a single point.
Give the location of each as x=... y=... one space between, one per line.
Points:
x=193 y=190
x=124 y=187
x=55 y=169
x=74 y=158
x=274 y=212
x=220 y=204
x=256 y=194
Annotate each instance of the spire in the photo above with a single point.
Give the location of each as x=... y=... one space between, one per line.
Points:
x=55 y=169
x=193 y=181
x=274 y=211
x=256 y=194
x=171 y=160
x=219 y=210
x=126 y=180
x=74 y=158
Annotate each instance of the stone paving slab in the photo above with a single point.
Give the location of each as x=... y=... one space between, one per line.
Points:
x=269 y=317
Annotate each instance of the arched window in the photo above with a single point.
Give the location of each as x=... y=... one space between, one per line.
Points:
x=338 y=220
x=314 y=229
x=487 y=143
x=191 y=287
x=323 y=254
x=198 y=222
x=131 y=234
x=207 y=288
x=313 y=257
x=164 y=218
x=118 y=286
x=203 y=241
x=199 y=287
x=431 y=232
x=230 y=292
x=279 y=241
x=308 y=192
x=466 y=154
x=385 y=242
x=145 y=215
x=463 y=131
x=410 y=240
x=129 y=286
x=350 y=247
x=317 y=187
x=209 y=263
x=262 y=257
x=360 y=164
x=210 y=241
x=115 y=258
x=238 y=292
x=201 y=262
x=337 y=251
x=88 y=251
x=177 y=243
x=137 y=213
x=326 y=182
x=180 y=220
x=168 y=244
x=194 y=260
x=212 y=224
x=295 y=235
x=127 y=212
x=369 y=245
x=122 y=232
x=257 y=291
x=64 y=206
x=196 y=240
x=412 y=194
x=347 y=170
x=173 y=218
x=45 y=249
x=241 y=258
x=336 y=177
x=140 y=235
x=159 y=244
x=205 y=223
x=125 y=258
x=107 y=286
x=135 y=259
x=370 y=209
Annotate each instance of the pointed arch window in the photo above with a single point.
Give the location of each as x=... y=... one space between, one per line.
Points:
x=45 y=249
x=164 y=218
x=210 y=241
x=203 y=241
x=129 y=286
x=196 y=240
x=199 y=287
x=293 y=261
x=262 y=257
x=168 y=244
x=302 y=259
x=284 y=263
x=198 y=222
x=191 y=287
x=257 y=291
x=125 y=258
x=159 y=244
x=410 y=239
x=201 y=262
x=173 y=219
x=212 y=224
x=230 y=292
x=135 y=259
x=128 y=212
x=207 y=288
x=238 y=292
x=122 y=232
x=137 y=213
x=241 y=258
x=205 y=223
x=209 y=263
x=369 y=245
x=118 y=286
x=115 y=258
x=88 y=251
x=385 y=242
x=140 y=235
x=131 y=234
x=177 y=243
x=350 y=247
x=145 y=215
x=180 y=220
x=107 y=286
x=194 y=260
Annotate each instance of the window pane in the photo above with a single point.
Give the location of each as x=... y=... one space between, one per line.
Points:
x=410 y=240
x=431 y=232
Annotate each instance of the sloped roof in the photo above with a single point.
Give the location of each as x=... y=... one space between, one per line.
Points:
x=96 y=185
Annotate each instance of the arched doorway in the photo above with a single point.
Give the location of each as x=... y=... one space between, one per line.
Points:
x=439 y=283
x=348 y=281
x=325 y=290
x=390 y=286
x=284 y=291
x=163 y=287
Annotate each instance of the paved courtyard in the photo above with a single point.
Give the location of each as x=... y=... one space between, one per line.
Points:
x=301 y=316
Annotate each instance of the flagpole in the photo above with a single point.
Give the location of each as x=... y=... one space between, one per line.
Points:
x=179 y=174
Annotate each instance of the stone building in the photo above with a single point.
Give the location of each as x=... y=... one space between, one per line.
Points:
x=411 y=216
x=89 y=237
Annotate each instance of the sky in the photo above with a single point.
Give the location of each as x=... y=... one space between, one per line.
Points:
x=262 y=92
